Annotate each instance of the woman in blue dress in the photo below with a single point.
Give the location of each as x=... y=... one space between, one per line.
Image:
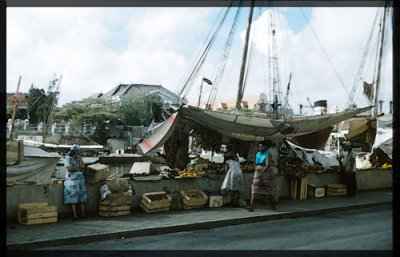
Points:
x=74 y=185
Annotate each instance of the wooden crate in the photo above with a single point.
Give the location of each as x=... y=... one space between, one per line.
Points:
x=96 y=172
x=114 y=213
x=37 y=213
x=109 y=208
x=191 y=207
x=115 y=205
x=298 y=188
x=151 y=209
x=193 y=198
x=336 y=190
x=117 y=199
x=155 y=202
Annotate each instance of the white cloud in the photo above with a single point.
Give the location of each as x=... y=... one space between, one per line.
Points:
x=95 y=49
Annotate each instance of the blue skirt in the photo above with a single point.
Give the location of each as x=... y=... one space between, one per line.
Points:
x=75 y=189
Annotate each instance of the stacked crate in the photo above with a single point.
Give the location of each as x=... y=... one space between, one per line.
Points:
x=37 y=213
x=115 y=205
x=96 y=172
x=298 y=188
x=156 y=202
x=193 y=199
x=336 y=190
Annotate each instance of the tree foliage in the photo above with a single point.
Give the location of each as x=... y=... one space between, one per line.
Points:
x=136 y=114
x=105 y=115
x=38 y=107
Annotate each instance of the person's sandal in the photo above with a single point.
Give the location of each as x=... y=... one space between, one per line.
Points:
x=249 y=208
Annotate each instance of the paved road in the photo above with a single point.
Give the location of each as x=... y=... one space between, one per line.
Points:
x=366 y=229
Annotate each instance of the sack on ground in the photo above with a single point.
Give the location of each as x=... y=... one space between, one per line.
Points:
x=118 y=185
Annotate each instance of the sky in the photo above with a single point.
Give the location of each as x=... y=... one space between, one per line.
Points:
x=95 y=49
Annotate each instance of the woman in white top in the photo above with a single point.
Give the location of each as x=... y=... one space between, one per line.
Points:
x=233 y=184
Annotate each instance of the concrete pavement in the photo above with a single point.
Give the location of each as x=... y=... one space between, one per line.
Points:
x=96 y=228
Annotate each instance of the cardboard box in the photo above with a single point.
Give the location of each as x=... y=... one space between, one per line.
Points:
x=216 y=201
x=96 y=172
x=315 y=192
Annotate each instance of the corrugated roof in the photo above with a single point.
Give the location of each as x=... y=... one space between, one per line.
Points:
x=137 y=89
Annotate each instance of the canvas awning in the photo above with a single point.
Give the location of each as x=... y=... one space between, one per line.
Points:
x=160 y=134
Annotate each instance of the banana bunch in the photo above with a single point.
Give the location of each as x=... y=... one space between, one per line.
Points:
x=387 y=166
x=190 y=173
x=248 y=167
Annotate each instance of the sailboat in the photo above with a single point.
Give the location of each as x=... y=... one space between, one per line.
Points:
x=362 y=129
x=26 y=164
x=240 y=126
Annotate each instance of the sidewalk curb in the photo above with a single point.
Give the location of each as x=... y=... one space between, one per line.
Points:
x=187 y=227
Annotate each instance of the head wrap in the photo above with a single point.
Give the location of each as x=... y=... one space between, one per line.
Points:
x=73 y=150
x=267 y=143
x=231 y=156
x=347 y=143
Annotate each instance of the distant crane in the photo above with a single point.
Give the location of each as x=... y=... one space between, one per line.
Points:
x=309 y=102
x=286 y=105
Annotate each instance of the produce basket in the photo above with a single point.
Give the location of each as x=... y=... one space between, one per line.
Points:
x=156 y=202
x=193 y=199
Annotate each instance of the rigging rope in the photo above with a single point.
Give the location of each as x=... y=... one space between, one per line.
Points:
x=324 y=51
x=250 y=59
x=223 y=60
x=360 y=69
x=202 y=47
x=202 y=58
x=31 y=107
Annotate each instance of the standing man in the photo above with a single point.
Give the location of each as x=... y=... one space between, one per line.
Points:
x=347 y=162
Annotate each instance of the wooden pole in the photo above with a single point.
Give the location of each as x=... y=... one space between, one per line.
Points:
x=243 y=67
x=201 y=89
x=14 y=110
x=378 y=76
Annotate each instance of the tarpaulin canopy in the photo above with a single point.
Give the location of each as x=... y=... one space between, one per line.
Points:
x=37 y=167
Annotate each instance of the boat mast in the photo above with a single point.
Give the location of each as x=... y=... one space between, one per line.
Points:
x=243 y=67
x=378 y=76
x=14 y=110
x=274 y=72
